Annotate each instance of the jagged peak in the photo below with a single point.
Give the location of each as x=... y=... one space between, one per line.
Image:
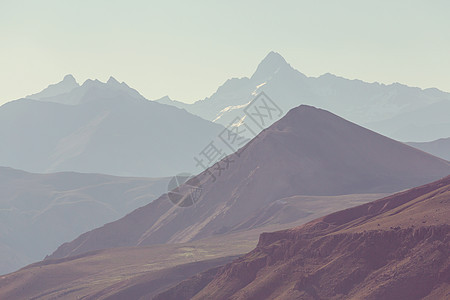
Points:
x=112 y=81
x=66 y=85
x=274 y=58
x=271 y=64
x=91 y=82
x=69 y=78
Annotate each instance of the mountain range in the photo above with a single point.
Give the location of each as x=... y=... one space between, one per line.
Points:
x=68 y=84
x=308 y=152
x=38 y=212
x=397 y=111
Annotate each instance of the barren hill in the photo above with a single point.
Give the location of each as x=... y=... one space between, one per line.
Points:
x=308 y=152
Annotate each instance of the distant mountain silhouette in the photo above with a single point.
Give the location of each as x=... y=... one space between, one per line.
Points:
x=102 y=128
x=40 y=211
x=69 y=92
x=308 y=152
x=439 y=148
x=168 y=101
x=65 y=86
x=360 y=102
x=421 y=125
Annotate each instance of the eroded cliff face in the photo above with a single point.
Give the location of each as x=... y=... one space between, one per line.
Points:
x=385 y=264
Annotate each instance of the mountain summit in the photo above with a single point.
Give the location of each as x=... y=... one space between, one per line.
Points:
x=270 y=65
x=112 y=81
x=65 y=86
x=69 y=79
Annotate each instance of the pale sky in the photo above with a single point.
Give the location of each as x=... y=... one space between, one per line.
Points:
x=187 y=49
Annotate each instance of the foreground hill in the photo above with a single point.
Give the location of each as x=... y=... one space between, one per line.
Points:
x=308 y=152
x=392 y=248
x=38 y=212
x=439 y=148
x=105 y=128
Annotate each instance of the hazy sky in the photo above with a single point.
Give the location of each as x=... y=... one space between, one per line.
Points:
x=186 y=49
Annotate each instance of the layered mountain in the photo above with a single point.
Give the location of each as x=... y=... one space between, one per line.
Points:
x=68 y=91
x=101 y=128
x=168 y=101
x=355 y=100
x=38 y=212
x=421 y=125
x=308 y=152
x=393 y=248
x=439 y=148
